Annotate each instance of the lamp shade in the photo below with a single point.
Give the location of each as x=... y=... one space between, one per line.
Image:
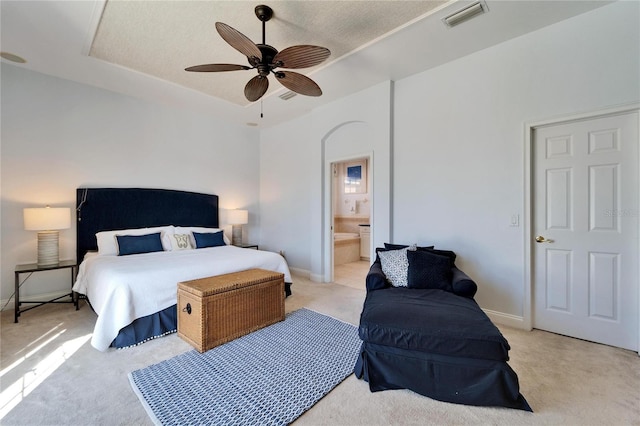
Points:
x=47 y=218
x=237 y=217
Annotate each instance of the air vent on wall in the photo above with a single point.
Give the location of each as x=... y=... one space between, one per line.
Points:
x=466 y=13
x=287 y=95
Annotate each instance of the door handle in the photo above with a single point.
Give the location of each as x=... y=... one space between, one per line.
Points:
x=541 y=239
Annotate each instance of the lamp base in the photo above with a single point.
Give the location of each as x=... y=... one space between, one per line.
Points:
x=48 y=248
x=236 y=235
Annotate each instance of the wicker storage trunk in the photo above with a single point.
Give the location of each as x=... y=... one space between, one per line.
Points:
x=215 y=310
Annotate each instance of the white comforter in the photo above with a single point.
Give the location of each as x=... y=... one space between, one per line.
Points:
x=124 y=288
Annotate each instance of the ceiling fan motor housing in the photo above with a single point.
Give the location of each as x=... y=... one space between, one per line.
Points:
x=264 y=66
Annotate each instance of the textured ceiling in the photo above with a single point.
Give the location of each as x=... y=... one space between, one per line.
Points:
x=55 y=38
x=161 y=38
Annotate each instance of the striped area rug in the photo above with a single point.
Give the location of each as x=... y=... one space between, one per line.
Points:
x=268 y=377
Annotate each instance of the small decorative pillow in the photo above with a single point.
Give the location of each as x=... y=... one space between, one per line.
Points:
x=209 y=239
x=429 y=270
x=191 y=229
x=137 y=244
x=395 y=266
x=180 y=242
x=390 y=246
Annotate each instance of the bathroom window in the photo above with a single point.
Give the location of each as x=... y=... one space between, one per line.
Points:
x=355 y=177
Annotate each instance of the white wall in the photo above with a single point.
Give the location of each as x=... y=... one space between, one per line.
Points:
x=295 y=210
x=457 y=147
x=58 y=135
x=459 y=138
x=285 y=198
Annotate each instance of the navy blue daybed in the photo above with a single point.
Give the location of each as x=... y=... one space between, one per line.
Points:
x=434 y=341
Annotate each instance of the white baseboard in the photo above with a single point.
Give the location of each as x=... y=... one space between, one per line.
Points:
x=299 y=271
x=10 y=304
x=318 y=278
x=506 y=319
x=44 y=296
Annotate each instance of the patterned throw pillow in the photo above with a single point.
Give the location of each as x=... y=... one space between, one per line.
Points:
x=395 y=266
x=180 y=242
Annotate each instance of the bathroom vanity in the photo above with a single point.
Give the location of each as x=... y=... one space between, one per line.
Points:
x=365 y=241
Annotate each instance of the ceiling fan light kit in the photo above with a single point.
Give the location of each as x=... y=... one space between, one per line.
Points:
x=265 y=59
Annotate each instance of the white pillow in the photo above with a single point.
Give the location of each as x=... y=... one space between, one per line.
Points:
x=108 y=245
x=395 y=266
x=181 y=242
x=190 y=229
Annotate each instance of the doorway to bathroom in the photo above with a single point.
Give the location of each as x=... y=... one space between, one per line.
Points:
x=351 y=202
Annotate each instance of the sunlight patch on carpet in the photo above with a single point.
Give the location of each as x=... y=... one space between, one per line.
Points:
x=16 y=388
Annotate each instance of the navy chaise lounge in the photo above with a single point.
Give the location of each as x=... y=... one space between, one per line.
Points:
x=434 y=341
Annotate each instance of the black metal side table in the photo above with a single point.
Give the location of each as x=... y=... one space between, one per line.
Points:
x=33 y=267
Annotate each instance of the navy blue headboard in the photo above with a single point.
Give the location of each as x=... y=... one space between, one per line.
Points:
x=105 y=209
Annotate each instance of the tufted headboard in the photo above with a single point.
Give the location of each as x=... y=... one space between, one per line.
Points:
x=104 y=209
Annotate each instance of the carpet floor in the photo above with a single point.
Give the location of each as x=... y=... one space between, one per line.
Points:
x=51 y=375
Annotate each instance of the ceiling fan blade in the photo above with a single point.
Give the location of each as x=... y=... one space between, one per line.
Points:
x=298 y=83
x=301 y=56
x=217 y=68
x=256 y=87
x=238 y=41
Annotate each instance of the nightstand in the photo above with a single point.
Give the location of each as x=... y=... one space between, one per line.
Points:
x=253 y=246
x=33 y=267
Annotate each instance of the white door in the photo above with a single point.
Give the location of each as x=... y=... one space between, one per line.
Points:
x=586 y=229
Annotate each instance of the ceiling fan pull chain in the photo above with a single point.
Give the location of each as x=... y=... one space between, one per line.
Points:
x=261 y=115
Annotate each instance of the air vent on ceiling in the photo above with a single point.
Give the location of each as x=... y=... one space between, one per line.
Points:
x=13 y=58
x=466 y=13
x=287 y=95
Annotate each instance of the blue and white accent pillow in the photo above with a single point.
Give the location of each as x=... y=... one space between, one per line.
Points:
x=180 y=242
x=395 y=266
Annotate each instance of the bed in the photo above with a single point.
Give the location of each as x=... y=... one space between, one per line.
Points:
x=134 y=295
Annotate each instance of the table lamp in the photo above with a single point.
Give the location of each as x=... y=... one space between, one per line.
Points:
x=47 y=221
x=236 y=219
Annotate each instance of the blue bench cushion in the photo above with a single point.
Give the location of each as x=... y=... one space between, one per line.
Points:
x=431 y=320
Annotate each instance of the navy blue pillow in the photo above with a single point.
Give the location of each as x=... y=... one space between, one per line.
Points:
x=429 y=270
x=209 y=239
x=390 y=246
x=136 y=244
x=447 y=253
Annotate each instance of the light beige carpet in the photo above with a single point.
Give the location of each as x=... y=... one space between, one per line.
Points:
x=51 y=375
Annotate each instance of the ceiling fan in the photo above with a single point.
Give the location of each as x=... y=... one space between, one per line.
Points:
x=265 y=59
